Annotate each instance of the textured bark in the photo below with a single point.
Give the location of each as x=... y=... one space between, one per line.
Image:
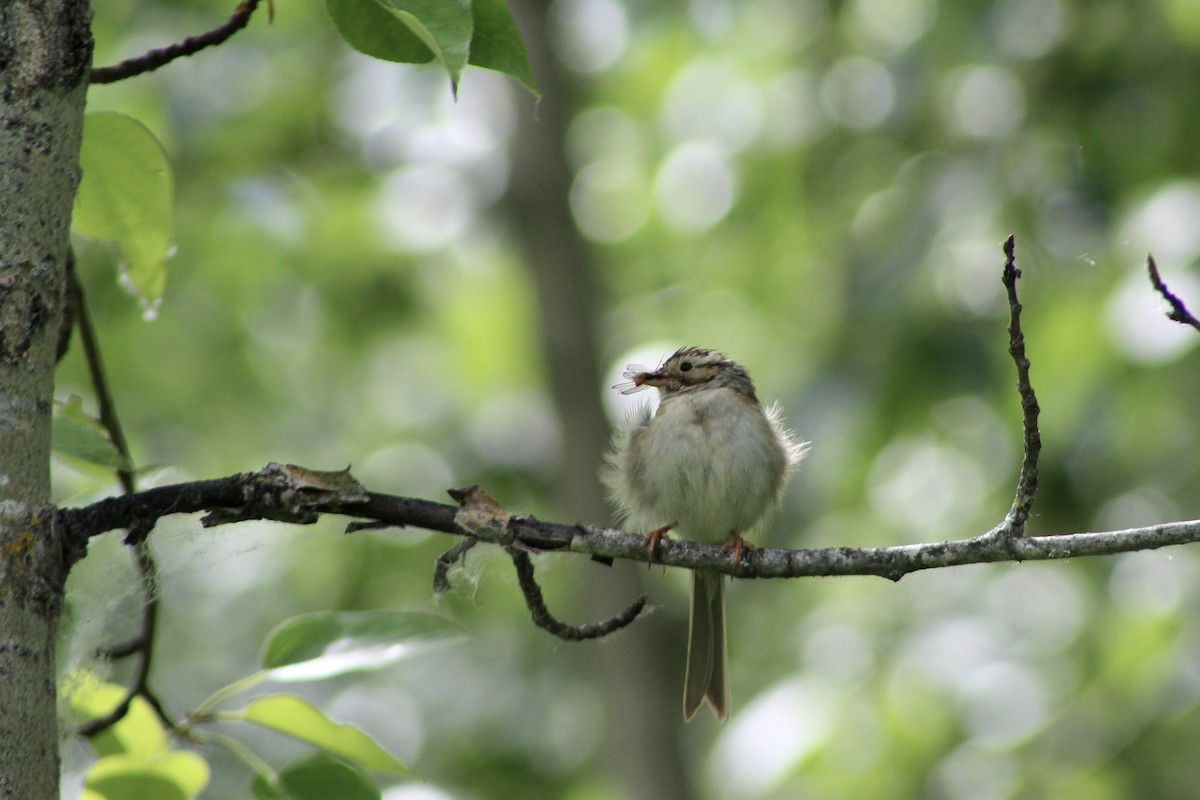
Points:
x=45 y=53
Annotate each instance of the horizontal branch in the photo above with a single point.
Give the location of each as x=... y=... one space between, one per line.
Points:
x=297 y=495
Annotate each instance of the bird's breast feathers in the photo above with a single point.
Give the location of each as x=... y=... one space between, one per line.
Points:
x=709 y=461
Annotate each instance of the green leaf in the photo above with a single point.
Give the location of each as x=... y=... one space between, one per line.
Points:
x=262 y=789
x=139 y=734
x=291 y=716
x=444 y=26
x=497 y=45
x=372 y=30
x=177 y=774
x=452 y=32
x=77 y=435
x=127 y=196
x=323 y=644
x=411 y=31
x=136 y=783
x=318 y=778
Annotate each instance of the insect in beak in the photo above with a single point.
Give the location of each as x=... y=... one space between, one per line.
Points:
x=636 y=377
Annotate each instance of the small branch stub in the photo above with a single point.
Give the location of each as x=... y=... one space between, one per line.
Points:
x=481 y=516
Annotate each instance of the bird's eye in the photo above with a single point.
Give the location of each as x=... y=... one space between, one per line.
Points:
x=685 y=366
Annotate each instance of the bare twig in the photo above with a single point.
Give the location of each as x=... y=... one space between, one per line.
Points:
x=1018 y=514
x=66 y=325
x=95 y=364
x=153 y=59
x=483 y=518
x=142 y=644
x=1179 y=312
x=542 y=617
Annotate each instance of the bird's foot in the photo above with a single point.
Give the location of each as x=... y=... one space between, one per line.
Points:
x=654 y=537
x=737 y=544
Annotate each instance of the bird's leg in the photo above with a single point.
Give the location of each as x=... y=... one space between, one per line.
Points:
x=737 y=544
x=654 y=537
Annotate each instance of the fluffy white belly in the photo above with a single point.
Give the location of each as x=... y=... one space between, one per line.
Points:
x=709 y=462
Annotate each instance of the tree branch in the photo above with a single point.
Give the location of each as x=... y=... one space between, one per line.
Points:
x=153 y=59
x=274 y=493
x=1018 y=514
x=1179 y=312
x=77 y=302
x=142 y=644
x=298 y=495
x=542 y=617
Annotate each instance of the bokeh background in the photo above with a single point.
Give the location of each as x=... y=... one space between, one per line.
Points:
x=441 y=293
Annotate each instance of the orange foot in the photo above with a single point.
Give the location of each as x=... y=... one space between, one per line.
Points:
x=737 y=544
x=654 y=537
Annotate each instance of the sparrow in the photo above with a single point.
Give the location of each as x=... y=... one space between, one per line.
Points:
x=708 y=464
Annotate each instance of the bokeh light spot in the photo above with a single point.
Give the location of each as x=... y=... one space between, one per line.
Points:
x=984 y=102
x=588 y=35
x=609 y=200
x=858 y=92
x=424 y=207
x=1137 y=322
x=776 y=731
x=924 y=486
x=1029 y=28
x=713 y=98
x=892 y=26
x=695 y=186
x=1165 y=223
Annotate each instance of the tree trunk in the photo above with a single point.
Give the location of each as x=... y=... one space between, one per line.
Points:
x=641 y=687
x=45 y=56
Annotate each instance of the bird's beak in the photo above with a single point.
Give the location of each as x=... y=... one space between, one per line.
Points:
x=648 y=379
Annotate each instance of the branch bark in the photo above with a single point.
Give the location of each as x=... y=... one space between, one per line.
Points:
x=1022 y=503
x=153 y=59
x=296 y=494
x=287 y=493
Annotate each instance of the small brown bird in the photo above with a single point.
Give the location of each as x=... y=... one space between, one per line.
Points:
x=708 y=465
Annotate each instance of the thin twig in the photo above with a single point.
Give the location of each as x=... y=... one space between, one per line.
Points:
x=1179 y=312
x=66 y=325
x=481 y=518
x=1027 y=481
x=544 y=620
x=153 y=59
x=142 y=644
x=95 y=364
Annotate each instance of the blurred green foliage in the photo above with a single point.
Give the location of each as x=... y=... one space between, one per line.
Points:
x=819 y=189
